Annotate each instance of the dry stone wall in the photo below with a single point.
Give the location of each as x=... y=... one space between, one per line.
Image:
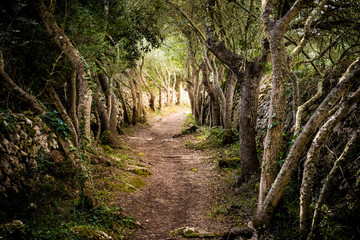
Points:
x=24 y=141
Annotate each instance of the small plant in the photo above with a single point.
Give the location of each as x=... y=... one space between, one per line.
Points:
x=57 y=123
x=7 y=120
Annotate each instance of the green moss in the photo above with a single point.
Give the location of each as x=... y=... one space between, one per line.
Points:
x=108 y=149
x=30 y=130
x=137 y=182
x=141 y=171
x=131 y=184
x=188 y=232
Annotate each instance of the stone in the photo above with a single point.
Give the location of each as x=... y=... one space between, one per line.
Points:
x=191 y=232
x=85 y=232
x=6 y=144
x=37 y=131
x=142 y=171
x=13 y=230
x=28 y=122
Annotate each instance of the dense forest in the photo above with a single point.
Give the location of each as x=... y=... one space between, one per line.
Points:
x=277 y=80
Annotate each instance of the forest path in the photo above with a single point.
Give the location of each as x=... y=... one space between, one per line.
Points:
x=181 y=187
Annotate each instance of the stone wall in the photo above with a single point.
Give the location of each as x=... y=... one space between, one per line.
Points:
x=24 y=142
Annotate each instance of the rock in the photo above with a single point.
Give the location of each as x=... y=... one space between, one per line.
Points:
x=13 y=230
x=191 y=232
x=28 y=122
x=22 y=141
x=85 y=232
x=37 y=131
x=241 y=232
x=186 y=131
x=6 y=144
x=141 y=171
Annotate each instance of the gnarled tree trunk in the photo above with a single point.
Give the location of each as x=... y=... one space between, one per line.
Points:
x=81 y=67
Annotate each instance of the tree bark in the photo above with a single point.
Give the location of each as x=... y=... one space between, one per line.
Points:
x=249 y=92
x=73 y=99
x=135 y=110
x=179 y=102
x=313 y=154
x=275 y=31
x=228 y=132
x=20 y=93
x=269 y=204
x=343 y=157
x=216 y=111
x=151 y=91
x=63 y=114
x=81 y=67
x=124 y=104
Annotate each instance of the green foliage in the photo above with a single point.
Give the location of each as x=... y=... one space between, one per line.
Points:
x=7 y=120
x=74 y=224
x=57 y=124
x=207 y=138
x=238 y=203
x=104 y=137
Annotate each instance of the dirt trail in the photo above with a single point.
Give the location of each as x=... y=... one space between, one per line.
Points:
x=179 y=191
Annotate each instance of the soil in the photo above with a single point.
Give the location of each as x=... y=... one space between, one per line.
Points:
x=182 y=185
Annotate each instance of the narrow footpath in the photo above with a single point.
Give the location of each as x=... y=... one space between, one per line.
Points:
x=181 y=187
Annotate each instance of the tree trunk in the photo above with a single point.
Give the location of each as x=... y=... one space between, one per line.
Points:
x=228 y=132
x=160 y=98
x=312 y=157
x=249 y=92
x=152 y=94
x=337 y=164
x=216 y=112
x=124 y=103
x=168 y=88
x=63 y=113
x=82 y=70
x=73 y=98
x=139 y=95
x=179 y=102
x=273 y=138
x=135 y=111
x=269 y=204
x=275 y=31
x=108 y=113
x=237 y=63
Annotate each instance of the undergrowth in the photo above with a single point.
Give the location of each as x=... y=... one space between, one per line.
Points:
x=52 y=208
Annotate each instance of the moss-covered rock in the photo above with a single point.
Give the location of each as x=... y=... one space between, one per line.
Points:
x=141 y=171
x=86 y=232
x=190 y=232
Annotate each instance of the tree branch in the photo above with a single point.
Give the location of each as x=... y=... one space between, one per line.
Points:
x=192 y=24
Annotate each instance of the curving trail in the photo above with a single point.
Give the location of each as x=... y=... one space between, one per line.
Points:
x=181 y=187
